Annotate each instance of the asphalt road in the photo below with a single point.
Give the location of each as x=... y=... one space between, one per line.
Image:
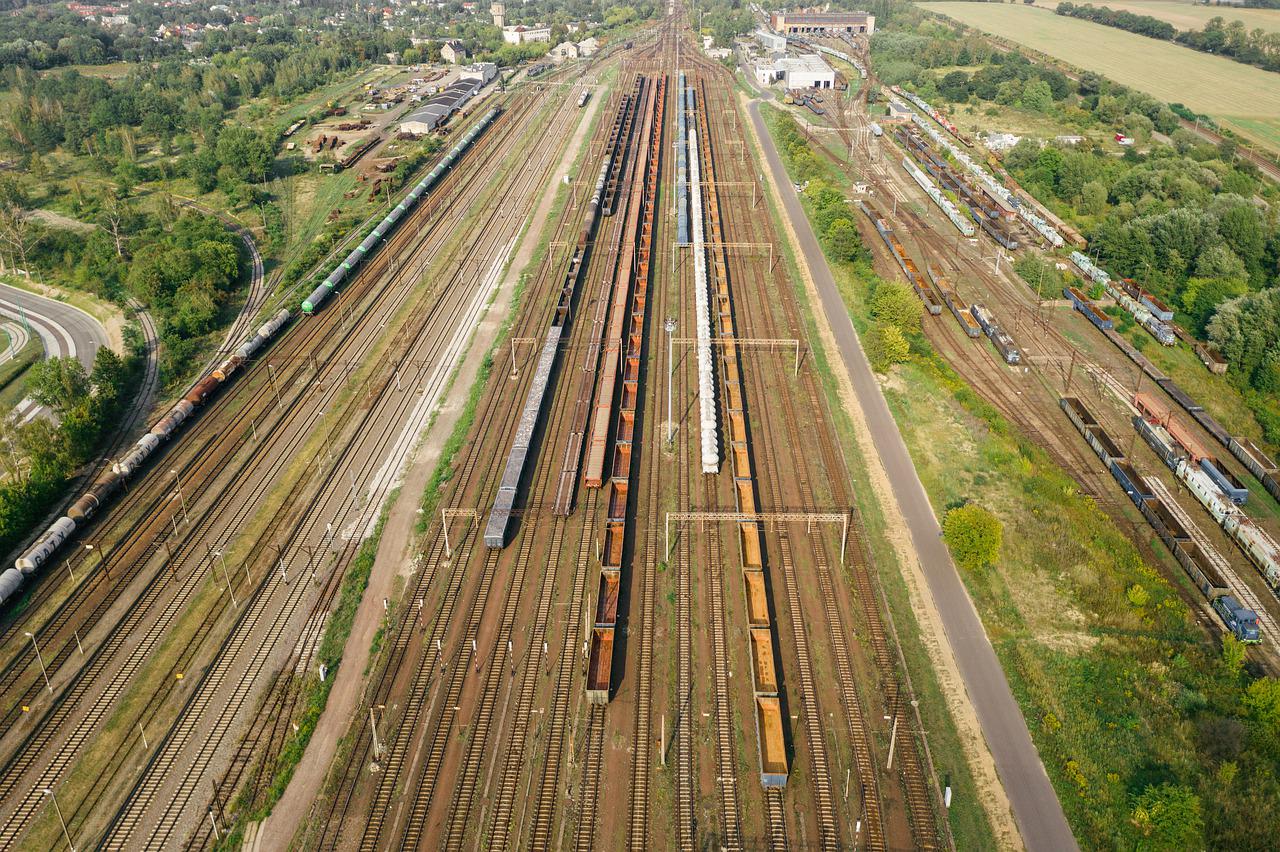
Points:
x=63 y=329
x=1031 y=796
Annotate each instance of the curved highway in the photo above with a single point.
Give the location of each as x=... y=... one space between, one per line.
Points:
x=64 y=329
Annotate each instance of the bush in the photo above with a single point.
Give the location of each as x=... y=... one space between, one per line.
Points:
x=885 y=346
x=974 y=536
x=894 y=303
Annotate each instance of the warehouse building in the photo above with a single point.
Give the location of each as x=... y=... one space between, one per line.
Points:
x=806 y=71
x=485 y=72
x=802 y=21
x=438 y=110
x=771 y=42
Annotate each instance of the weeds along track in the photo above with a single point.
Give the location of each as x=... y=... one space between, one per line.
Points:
x=358 y=456
x=262 y=452
x=472 y=486
x=759 y=318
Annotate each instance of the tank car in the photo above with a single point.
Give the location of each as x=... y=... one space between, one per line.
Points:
x=203 y=389
x=49 y=541
x=98 y=493
x=10 y=583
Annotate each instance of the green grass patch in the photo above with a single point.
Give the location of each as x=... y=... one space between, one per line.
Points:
x=13 y=371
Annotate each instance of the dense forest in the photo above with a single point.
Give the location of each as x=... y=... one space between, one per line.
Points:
x=1253 y=47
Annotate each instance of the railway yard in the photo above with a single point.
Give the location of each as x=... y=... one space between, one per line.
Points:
x=640 y=609
x=1052 y=347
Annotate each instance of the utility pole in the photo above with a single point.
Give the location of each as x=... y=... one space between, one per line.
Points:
x=40 y=659
x=183 y=500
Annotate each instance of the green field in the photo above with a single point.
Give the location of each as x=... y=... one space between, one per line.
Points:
x=1245 y=98
x=1185 y=16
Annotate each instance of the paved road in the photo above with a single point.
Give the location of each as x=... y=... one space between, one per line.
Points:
x=1035 y=804
x=63 y=329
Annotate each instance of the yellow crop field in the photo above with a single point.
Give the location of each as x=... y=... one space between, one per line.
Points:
x=1240 y=96
x=1186 y=16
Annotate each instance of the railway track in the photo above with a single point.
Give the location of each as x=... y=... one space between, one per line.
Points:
x=784 y=419
x=460 y=316
x=214 y=437
x=378 y=810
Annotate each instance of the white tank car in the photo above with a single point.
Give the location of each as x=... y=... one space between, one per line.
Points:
x=168 y=424
x=1204 y=489
x=1260 y=547
x=58 y=532
x=10 y=582
x=140 y=453
x=269 y=328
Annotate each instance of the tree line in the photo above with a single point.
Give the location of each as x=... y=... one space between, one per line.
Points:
x=1253 y=47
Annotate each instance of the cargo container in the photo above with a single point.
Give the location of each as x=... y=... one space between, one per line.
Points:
x=600 y=666
x=772 y=743
x=1084 y=305
x=1102 y=444
x=763 y=671
x=1205 y=577
x=1076 y=411
x=1131 y=481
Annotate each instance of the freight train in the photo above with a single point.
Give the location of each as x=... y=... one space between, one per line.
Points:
x=388 y=225
x=1150 y=313
x=1257 y=543
x=1246 y=452
x=499 y=518
x=899 y=253
x=1243 y=623
x=954 y=303
x=1000 y=339
x=111 y=482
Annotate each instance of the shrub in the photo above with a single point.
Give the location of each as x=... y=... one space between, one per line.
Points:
x=974 y=536
x=885 y=346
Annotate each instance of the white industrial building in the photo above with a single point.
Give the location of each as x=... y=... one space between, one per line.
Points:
x=806 y=71
x=771 y=42
x=562 y=51
x=520 y=34
x=485 y=72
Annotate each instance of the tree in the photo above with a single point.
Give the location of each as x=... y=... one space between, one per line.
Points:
x=1168 y=817
x=60 y=383
x=895 y=304
x=1233 y=654
x=244 y=152
x=955 y=86
x=1093 y=198
x=885 y=346
x=1037 y=96
x=1262 y=701
x=844 y=241
x=1218 y=261
x=974 y=536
